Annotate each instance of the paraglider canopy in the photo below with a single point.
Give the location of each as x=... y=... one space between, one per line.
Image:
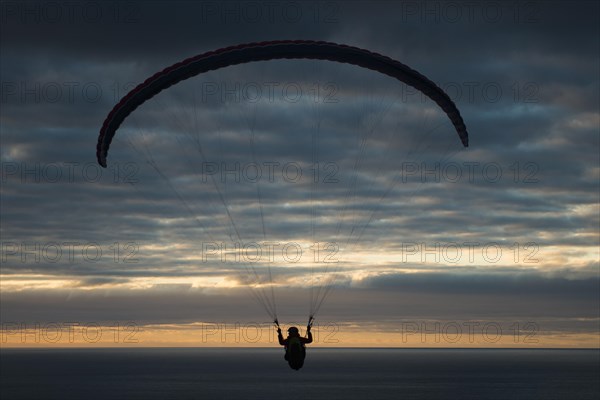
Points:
x=272 y=50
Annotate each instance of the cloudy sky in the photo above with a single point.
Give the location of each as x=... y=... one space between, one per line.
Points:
x=299 y=186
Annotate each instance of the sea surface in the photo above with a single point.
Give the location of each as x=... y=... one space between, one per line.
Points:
x=348 y=374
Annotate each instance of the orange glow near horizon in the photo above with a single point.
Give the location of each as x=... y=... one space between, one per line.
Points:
x=410 y=335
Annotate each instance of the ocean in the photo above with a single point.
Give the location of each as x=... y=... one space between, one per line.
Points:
x=201 y=373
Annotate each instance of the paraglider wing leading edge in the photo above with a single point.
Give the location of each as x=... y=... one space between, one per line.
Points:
x=263 y=51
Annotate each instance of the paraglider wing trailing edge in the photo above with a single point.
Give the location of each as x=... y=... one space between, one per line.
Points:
x=273 y=50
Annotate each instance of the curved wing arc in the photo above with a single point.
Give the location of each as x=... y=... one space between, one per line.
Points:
x=263 y=51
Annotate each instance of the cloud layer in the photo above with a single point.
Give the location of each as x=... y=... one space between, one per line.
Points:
x=298 y=152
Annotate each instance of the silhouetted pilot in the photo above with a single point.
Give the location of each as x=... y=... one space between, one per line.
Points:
x=295 y=351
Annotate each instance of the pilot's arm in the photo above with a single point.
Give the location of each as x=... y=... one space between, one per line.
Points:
x=282 y=341
x=308 y=339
